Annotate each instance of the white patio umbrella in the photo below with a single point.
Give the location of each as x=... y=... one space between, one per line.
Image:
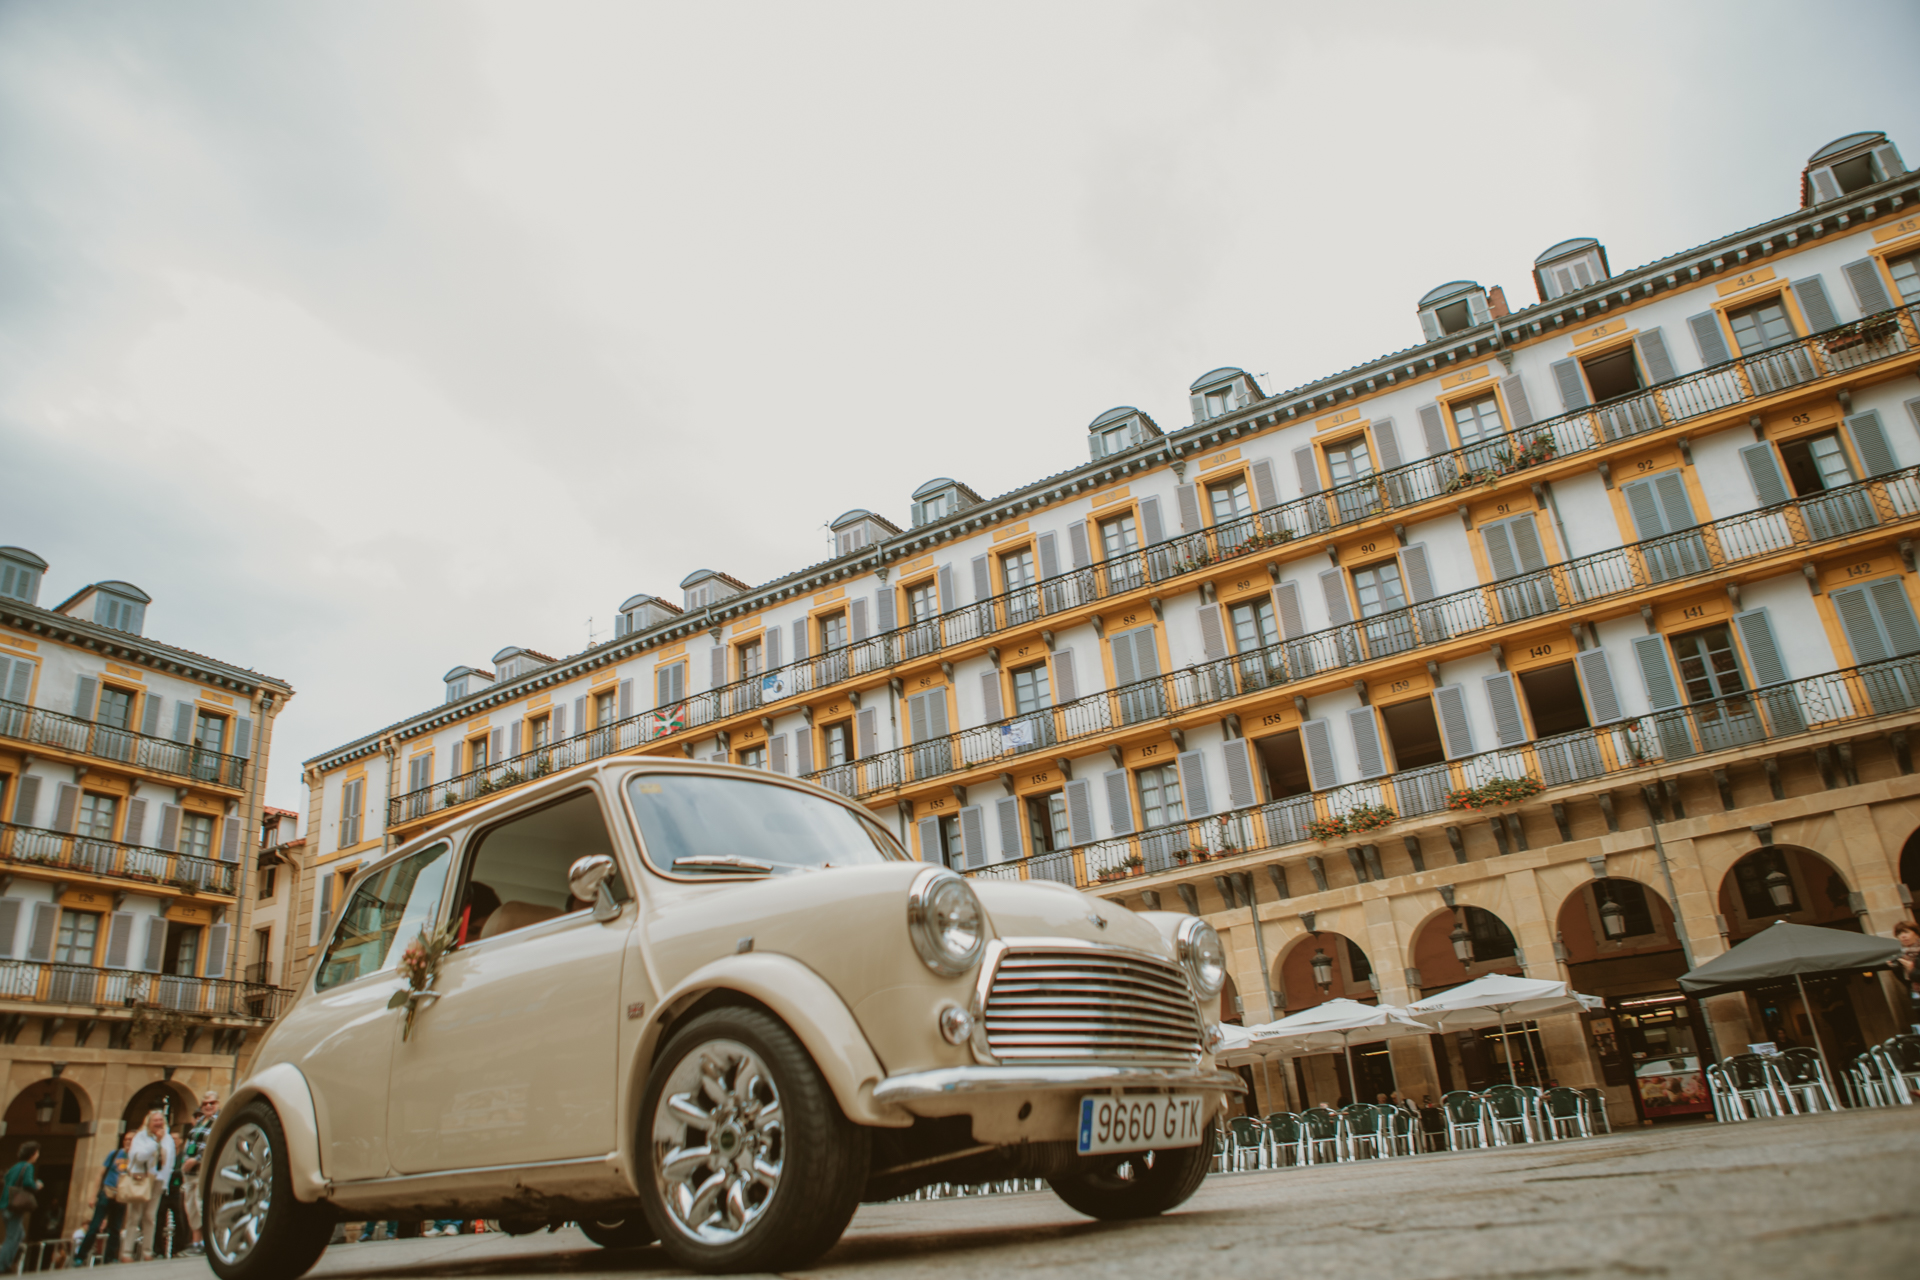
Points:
x=1338 y=1024
x=1497 y=999
x=1241 y=1048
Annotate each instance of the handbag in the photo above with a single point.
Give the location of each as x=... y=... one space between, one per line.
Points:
x=133 y=1188
x=21 y=1202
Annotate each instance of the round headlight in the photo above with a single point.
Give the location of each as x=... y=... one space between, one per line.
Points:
x=1204 y=955
x=944 y=918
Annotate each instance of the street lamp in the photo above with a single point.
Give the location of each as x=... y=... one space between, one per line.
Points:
x=1462 y=943
x=1612 y=919
x=1322 y=970
x=1780 y=888
x=43 y=1109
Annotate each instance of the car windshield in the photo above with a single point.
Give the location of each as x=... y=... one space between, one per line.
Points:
x=698 y=825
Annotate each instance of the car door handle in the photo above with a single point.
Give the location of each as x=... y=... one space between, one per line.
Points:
x=415 y=997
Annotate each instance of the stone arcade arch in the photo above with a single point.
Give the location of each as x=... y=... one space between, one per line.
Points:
x=69 y=1118
x=1783 y=882
x=1910 y=872
x=1350 y=974
x=1492 y=947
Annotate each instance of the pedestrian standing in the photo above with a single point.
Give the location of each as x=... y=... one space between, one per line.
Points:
x=191 y=1154
x=18 y=1201
x=149 y=1170
x=106 y=1209
x=1906 y=965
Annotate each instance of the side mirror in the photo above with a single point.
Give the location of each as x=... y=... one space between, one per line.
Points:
x=590 y=880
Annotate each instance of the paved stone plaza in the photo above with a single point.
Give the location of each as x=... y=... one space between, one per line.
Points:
x=1822 y=1196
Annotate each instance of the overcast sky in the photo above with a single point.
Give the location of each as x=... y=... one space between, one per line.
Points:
x=372 y=338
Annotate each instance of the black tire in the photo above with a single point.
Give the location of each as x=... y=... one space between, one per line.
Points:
x=1137 y=1185
x=245 y=1187
x=618 y=1233
x=776 y=1114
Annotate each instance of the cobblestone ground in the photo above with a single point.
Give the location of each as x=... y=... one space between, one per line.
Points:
x=1828 y=1197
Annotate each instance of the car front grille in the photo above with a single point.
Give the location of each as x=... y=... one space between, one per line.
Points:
x=1090 y=1004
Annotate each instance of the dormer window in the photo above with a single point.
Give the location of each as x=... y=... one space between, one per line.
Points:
x=707 y=587
x=120 y=605
x=1118 y=430
x=936 y=507
x=20 y=572
x=1568 y=267
x=937 y=499
x=1454 y=308
x=463 y=681
x=1220 y=392
x=1848 y=164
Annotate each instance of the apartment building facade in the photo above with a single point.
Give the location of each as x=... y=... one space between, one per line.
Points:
x=1577 y=639
x=131 y=776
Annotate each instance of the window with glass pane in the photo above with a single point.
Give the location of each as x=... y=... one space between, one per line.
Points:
x=1349 y=461
x=1047 y=823
x=1118 y=536
x=1816 y=463
x=603 y=709
x=1378 y=588
x=934 y=508
x=754 y=757
x=1016 y=571
x=1906 y=276
x=949 y=851
x=196 y=835
x=922 y=602
x=541 y=731
x=1219 y=402
x=477 y=753
x=116 y=708
x=839 y=742
x=79 y=930
x=384 y=914
x=1709 y=667
x=1753 y=874
x=1160 y=803
x=1763 y=325
x=210 y=732
x=184 y=943
x=1254 y=626
x=1229 y=501
x=1115 y=440
x=1031 y=691
x=96 y=816
x=751 y=656
x=833 y=631
x=1478 y=420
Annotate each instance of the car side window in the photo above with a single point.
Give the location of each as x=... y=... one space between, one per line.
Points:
x=383 y=915
x=517 y=875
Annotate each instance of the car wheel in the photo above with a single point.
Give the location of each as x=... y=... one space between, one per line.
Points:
x=617 y=1233
x=747 y=1161
x=256 y=1230
x=1139 y=1184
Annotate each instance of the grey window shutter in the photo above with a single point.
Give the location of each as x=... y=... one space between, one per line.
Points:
x=1653 y=354
x=917 y=717
x=949 y=594
x=1430 y=325
x=1814 y=304
x=1308 y=469
x=243 y=737
x=885 y=616
x=857 y=614
x=1124 y=671
x=150 y=720
x=580 y=724
x=982 y=580
x=1857 y=619
x=1150 y=527
x=1188 y=499
x=9 y=926
x=1213 y=636
x=803 y=751
x=135 y=831
x=1365 y=727
x=626 y=709
x=22 y=680
x=1456 y=732
x=867 y=730
x=1286 y=605
x=990 y=696
x=1049 y=549
x=559 y=733
x=1896 y=615
x=453 y=750
x=1709 y=337
x=1119 y=802
x=773 y=645
x=1264 y=493
x=66 y=806
x=1663 y=692
x=662 y=694
x=1241 y=792
x=800 y=650
x=1080 y=811
x=216 y=952
x=1193 y=783
x=1763 y=472
x=936 y=713
x=156 y=944
x=1526 y=541
x=85 y=691
x=929 y=829
x=1333 y=584
x=1871 y=444
x=1519 y=408
x=1316 y=738
x=1078 y=544
x=497 y=748
x=1413 y=562
x=1500 y=550
x=169 y=827
x=26 y=800
x=1433 y=428
x=513 y=737
x=1199 y=406
x=717 y=668
x=1573 y=391
x=1868 y=289
x=1146 y=653
x=230 y=840
x=46 y=917
x=1675 y=507
x=1763 y=651
x=1066 y=681
x=1386 y=444
x=1888 y=158
x=1477 y=309
x=119 y=938
x=1509 y=726
x=1645 y=506
x=777 y=752
x=973 y=835
x=183 y=721
x=1007 y=815
x=1824 y=187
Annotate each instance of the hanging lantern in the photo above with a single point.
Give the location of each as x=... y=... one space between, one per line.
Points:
x=43 y=1109
x=1613 y=920
x=1462 y=943
x=1780 y=888
x=1322 y=970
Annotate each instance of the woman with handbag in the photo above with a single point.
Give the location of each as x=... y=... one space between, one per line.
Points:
x=142 y=1187
x=17 y=1201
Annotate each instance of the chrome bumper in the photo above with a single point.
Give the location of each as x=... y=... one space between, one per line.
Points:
x=949 y=1081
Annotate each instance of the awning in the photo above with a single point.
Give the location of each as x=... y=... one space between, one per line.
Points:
x=1785 y=951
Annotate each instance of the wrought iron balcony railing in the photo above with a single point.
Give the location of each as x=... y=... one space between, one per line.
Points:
x=40 y=982
x=34 y=846
x=38 y=726
x=1766 y=714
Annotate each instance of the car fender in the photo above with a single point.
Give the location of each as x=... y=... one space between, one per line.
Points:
x=813 y=1010
x=284 y=1088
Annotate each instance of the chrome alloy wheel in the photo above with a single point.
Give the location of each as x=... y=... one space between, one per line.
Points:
x=719 y=1141
x=240 y=1194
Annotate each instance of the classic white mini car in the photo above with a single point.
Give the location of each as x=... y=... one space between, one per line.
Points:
x=719 y=1009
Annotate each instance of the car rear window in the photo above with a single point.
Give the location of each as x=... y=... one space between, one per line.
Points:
x=698 y=825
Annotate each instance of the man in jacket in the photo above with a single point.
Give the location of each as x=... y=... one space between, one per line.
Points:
x=19 y=1180
x=191 y=1155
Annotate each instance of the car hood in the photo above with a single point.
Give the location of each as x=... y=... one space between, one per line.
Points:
x=1043 y=909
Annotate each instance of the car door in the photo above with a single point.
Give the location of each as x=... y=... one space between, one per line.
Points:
x=514 y=1063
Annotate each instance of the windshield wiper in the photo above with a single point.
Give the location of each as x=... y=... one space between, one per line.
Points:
x=722 y=862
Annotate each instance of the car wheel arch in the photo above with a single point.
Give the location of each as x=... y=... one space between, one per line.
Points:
x=284 y=1088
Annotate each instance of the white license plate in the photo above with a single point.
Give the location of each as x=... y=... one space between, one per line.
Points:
x=1141 y=1122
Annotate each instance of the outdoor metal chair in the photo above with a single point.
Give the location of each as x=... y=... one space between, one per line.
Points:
x=1803 y=1077
x=1248 y=1139
x=1866 y=1087
x=1752 y=1087
x=1287 y=1137
x=1509 y=1111
x=1597 y=1119
x=1322 y=1127
x=1565 y=1114
x=1725 y=1109
x=1404 y=1138
x=1466 y=1120
x=1901 y=1055
x=1363 y=1122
